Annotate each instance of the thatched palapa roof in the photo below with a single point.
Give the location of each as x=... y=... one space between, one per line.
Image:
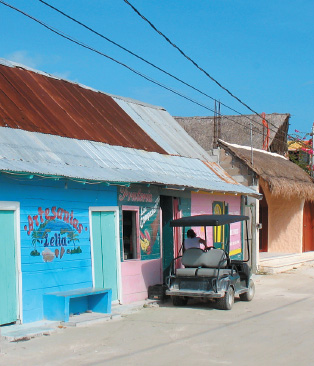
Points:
x=283 y=177
x=236 y=130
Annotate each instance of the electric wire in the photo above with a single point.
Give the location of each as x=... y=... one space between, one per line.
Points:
x=71 y=39
x=193 y=62
x=150 y=63
x=146 y=61
x=200 y=68
x=58 y=32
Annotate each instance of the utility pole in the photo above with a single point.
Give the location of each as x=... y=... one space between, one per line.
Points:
x=251 y=138
x=217 y=124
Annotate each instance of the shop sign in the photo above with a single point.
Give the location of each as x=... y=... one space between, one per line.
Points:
x=55 y=232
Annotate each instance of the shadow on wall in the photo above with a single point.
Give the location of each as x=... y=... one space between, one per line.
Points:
x=285 y=222
x=152 y=272
x=285 y=219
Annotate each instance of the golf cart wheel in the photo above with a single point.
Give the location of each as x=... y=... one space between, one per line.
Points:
x=226 y=302
x=179 y=300
x=248 y=296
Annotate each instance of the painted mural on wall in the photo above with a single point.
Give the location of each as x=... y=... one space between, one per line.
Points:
x=206 y=203
x=149 y=227
x=54 y=233
x=148 y=201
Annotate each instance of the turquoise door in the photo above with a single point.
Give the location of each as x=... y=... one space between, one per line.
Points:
x=8 y=277
x=105 y=250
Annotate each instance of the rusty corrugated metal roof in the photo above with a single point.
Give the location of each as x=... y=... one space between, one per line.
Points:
x=55 y=127
x=36 y=102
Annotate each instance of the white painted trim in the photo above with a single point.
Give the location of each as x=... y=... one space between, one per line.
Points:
x=114 y=209
x=15 y=206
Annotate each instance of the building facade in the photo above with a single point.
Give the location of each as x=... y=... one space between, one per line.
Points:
x=89 y=184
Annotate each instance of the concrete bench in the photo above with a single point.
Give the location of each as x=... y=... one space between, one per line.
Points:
x=59 y=305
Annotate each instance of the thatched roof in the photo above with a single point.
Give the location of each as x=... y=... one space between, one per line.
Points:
x=283 y=177
x=236 y=130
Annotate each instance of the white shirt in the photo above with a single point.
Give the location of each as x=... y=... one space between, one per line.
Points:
x=192 y=243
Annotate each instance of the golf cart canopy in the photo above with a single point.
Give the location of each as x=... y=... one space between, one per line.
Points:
x=207 y=220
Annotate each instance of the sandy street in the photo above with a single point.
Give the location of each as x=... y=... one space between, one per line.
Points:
x=276 y=328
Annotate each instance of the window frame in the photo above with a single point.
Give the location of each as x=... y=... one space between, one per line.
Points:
x=135 y=209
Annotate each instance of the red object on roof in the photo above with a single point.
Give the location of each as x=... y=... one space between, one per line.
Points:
x=266 y=138
x=38 y=103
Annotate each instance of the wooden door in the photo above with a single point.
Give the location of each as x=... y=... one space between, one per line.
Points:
x=105 y=251
x=308 y=227
x=8 y=273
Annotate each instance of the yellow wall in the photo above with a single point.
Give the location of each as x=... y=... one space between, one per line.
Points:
x=285 y=223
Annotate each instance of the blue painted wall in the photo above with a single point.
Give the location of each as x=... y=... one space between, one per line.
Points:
x=55 y=235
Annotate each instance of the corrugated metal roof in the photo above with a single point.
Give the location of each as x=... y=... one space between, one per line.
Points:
x=85 y=122
x=37 y=102
x=37 y=153
x=163 y=129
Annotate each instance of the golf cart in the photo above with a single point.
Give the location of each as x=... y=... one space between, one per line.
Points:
x=209 y=273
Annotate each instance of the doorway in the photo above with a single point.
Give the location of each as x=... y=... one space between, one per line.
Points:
x=166 y=206
x=177 y=232
x=8 y=267
x=263 y=219
x=105 y=250
x=308 y=227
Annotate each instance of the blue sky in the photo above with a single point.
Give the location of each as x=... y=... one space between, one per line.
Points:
x=262 y=51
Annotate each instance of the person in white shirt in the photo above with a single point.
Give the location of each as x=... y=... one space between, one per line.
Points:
x=193 y=241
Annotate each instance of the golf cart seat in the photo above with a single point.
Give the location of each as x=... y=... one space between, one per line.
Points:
x=203 y=264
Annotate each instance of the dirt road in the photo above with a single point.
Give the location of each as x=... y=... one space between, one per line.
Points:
x=276 y=328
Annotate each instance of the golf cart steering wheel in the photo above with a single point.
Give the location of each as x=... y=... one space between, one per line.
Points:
x=210 y=248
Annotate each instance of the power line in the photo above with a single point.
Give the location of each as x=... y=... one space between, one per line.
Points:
x=63 y=35
x=71 y=39
x=144 y=60
x=193 y=62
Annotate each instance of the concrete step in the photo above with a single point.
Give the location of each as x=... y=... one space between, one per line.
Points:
x=87 y=319
x=24 y=332
x=284 y=262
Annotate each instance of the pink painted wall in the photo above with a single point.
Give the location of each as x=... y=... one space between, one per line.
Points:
x=137 y=275
x=202 y=203
x=285 y=223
